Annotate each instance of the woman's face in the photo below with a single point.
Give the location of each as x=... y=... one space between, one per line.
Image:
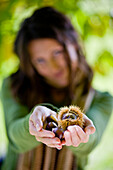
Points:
x=48 y=58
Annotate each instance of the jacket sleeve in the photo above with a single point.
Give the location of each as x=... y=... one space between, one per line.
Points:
x=17 y=121
x=99 y=112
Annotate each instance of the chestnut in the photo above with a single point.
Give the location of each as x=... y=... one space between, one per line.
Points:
x=51 y=118
x=59 y=132
x=50 y=122
x=69 y=116
x=51 y=125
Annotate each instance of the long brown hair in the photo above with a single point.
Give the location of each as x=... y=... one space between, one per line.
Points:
x=27 y=85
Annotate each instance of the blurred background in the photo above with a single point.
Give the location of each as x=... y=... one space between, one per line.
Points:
x=94 y=21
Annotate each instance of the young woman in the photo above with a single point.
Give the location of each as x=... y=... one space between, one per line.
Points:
x=52 y=73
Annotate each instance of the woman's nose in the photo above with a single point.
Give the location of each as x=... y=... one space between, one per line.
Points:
x=53 y=65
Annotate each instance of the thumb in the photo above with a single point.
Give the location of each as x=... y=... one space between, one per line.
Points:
x=38 y=121
x=90 y=129
x=39 y=125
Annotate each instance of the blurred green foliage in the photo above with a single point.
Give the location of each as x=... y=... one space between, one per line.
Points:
x=94 y=21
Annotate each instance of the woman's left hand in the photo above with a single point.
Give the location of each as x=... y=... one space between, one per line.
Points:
x=74 y=135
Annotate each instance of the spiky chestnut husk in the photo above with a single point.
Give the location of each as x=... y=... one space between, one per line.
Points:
x=71 y=115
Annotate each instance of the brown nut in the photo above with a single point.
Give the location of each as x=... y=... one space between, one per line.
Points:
x=51 y=118
x=51 y=125
x=69 y=116
x=59 y=132
x=50 y=122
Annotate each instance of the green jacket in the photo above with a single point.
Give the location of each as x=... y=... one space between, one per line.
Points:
x=17 y=126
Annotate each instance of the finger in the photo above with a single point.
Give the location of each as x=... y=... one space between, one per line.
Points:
x=49 y=141
x=45 y=133
x=48 y=111
x=36 y=118
x=55 y=146
x=82 y=135
x=32 y=128
x=54 y=113
x=68 y=140
x=44 y=113
x=87 y=120
x=39 y=124
x=89 y=126
x=54 y=116
x=74 y=136
x=39 y=121
x=90 y=129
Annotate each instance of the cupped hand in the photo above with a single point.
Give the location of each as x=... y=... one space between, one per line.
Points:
x=74 y=135
x=36 y=127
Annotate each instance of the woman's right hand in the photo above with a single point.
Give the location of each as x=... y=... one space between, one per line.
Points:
x=36 y=127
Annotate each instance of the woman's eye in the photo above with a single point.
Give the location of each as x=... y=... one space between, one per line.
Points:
x=58 y=53
x=41 y=61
